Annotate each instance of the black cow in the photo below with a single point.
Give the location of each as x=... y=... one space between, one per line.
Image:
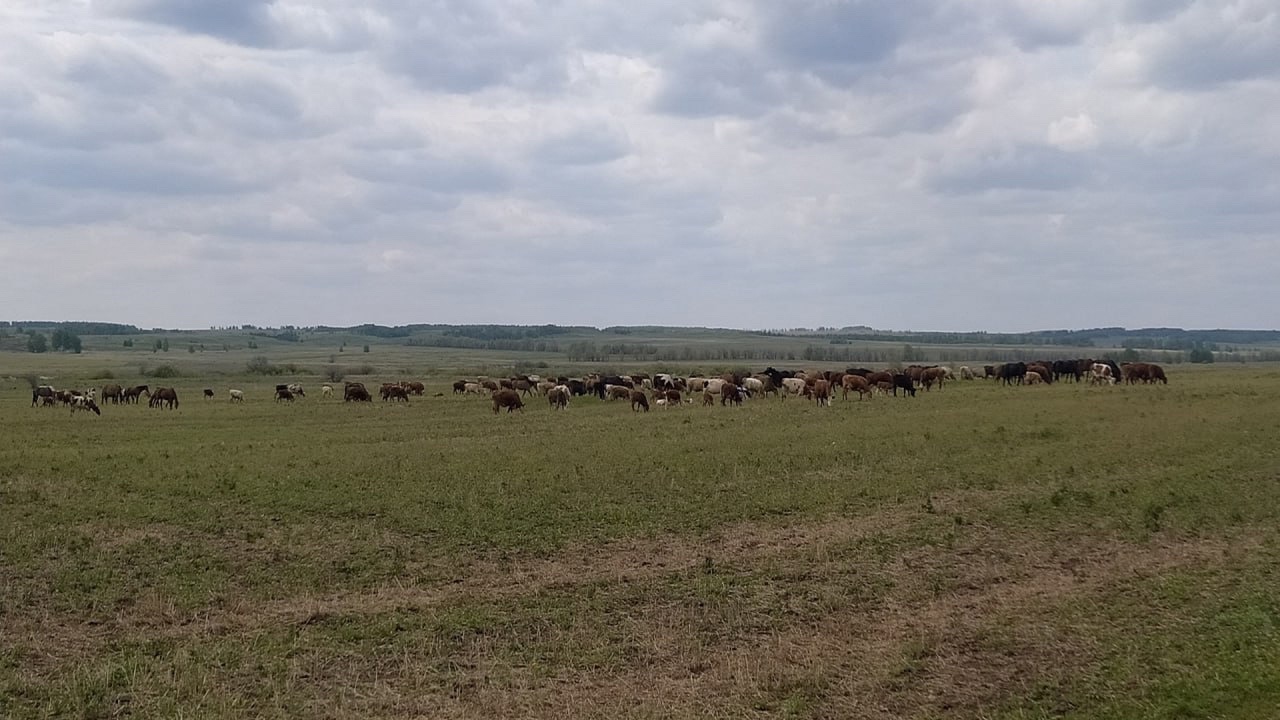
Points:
x=860 y=372
x=1012 y=373
x=577 y=386
x=904 y=381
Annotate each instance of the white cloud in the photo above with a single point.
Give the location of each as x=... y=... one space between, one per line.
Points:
x=1074 y=133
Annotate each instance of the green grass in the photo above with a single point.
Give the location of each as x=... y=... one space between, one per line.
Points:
x=976 y=552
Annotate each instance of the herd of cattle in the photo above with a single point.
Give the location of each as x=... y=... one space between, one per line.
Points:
x=642 y=389
x=731 y=389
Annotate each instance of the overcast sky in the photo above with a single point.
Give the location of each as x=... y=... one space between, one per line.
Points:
x=907 y=164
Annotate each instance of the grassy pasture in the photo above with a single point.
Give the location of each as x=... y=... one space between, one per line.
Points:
x=988 y=552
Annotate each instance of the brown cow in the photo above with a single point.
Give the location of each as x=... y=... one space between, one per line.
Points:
x=708 y=398
x=1045 y=373
x=415 y=387
x=822 y=393
x=855 y=383
x=507 y=398
x=397 y=392
x=618 y=392
x=112 y=392
x=639 y=400
x=930 y=375
x=730 y=393
x=558 y=397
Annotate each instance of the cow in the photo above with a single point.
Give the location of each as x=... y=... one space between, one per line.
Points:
x=459 y=387
x=523 y=386
x=326 y=391
x=577 y=386
x=1033 y=378
x=708 y=398
x=1044 y=372
x=165 y=396
x=966 y=373
x=113 y=393
x=928 y=376
x=507 y=398
x=84 y=402
x=1100 y=373
x=208 y=393
x=822 y=393
x=296 y=389
x=394 y=391
x=792 y=386
x=1011 y=373
x=618 y=392
x=989 y=371
x=558 y=397
x=282 y=393
x=639 y=400
x=753 y=385
x=236 y=396
x=730 y=393
x=903 y=380
x=855 y=383
x=668 y=397
x=356 y=392
x=415 y=388
x=42 y=395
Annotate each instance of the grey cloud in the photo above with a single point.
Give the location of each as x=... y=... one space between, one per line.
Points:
x=589 y=145
x=1203 y=49
x=821 y=34
x=242 y=21
x=725 y=82
x=443 y=174
x=1027 y=167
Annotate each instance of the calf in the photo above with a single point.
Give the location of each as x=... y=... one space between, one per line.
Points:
x=639 y=400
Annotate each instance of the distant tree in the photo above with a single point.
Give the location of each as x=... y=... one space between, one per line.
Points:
x=1129 y=355
x=164 y=345
x=128 y=342
x=37 y=343
x=1200 y=354
x=366 y=348
x=191 y=349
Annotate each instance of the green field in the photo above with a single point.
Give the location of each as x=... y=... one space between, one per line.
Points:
x=979 y=552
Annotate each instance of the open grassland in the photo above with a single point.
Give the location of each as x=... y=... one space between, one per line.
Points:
x=990 y=552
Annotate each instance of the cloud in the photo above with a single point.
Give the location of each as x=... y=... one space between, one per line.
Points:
x=736 y=162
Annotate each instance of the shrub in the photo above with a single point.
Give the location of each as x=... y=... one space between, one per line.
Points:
x=260 y=365
x=165 y=371
x=104 y=375
x=335 y=373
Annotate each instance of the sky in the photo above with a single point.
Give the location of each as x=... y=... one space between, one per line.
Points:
x=1001 y=165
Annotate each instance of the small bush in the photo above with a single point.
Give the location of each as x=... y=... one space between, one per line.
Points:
x=260 y=365
x=104 y=375
x=334 y=373
x=165 y=371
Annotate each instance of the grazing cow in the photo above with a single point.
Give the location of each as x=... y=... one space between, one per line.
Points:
x=394 y=391
x=989 y=371
x=903 y=380
x=1033 y=378
x=929 y=376
x=545 y=387
x=966 y=373
x=113 y=393
x=855 y=383
x=476 y=388
x=489 y=385
x=753 y=385
x=617 y=392
x=822 y=393
x=326 y=391
x=577 y=386
x=668 y=397
x=237 y=396
x=730 y=394
x=296 y=389
x=283 y=394
x=356 y=392
x=165 y=396
x=558 y=397
x=459 y=387
x=708 y=398
x=1044 y=372
x=884 y=387
x=639 y=400
x=1100 y=374
x=84 y=402
x=415 y=388
x=507 y=398
x=42 y=395
x=523 y=386
x=208 y=393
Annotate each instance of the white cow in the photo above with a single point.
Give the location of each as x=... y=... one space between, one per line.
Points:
x=237 y=395
x=326 y=391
